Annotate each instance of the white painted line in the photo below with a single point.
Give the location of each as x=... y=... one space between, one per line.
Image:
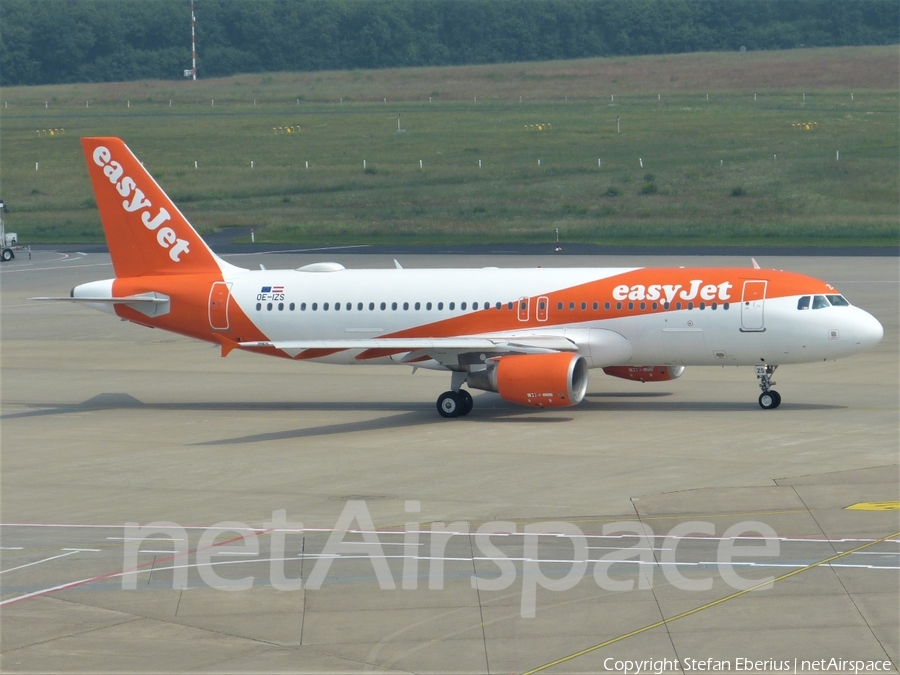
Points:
x=630 y=548
x=235 y=553
x=61 y=267
x=37 y=562
x=43 y=592
x=11 y=548
x=82 y=549
x=141 y=539
x=149 y=551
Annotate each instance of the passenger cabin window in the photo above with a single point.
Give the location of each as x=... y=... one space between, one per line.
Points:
x=803 y=303
x=838 y=300
x=819 y=302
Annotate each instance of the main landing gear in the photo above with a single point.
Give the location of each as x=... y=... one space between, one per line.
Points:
x=769 y=399
x=455 y=403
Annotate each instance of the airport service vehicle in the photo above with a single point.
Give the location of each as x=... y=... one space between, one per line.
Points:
x=8 y=240
x=531 y=335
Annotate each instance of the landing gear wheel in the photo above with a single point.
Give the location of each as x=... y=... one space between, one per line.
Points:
x=467 y=402
x=769 y=400
x=450 y=404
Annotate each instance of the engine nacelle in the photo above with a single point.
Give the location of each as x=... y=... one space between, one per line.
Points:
x=646 y=373
x=556 y=380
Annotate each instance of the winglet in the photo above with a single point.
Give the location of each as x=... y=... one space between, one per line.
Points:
x=755 y=264
x=227 y=345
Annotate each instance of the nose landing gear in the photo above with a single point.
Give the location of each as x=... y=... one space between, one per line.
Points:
x=769 y=399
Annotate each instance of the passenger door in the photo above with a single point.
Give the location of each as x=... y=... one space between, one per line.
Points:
x=753 y=301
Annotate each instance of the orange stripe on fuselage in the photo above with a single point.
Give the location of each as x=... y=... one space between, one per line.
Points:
x=639 y=282
x=189 y=309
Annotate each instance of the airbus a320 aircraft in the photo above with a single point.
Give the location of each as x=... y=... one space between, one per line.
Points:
x=531 y=335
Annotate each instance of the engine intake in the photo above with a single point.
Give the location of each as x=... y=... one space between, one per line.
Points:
x=557 y=380
x=646 y=373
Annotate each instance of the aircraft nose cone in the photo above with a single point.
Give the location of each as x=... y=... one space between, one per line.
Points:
x=867 y=330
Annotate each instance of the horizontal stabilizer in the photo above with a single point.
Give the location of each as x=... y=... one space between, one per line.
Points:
x=126 y=300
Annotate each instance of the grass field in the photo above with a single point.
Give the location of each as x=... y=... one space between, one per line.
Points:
x=734 y=169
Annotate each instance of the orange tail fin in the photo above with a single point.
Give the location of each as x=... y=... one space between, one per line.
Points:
x=145 y=231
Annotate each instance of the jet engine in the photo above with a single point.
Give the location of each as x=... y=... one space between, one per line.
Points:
x=557 y=380
x=645 y=373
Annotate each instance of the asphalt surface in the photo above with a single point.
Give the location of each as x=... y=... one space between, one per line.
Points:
x=106 y=424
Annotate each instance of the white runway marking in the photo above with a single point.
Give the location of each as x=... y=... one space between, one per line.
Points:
x=61 y=267
x=38 y=562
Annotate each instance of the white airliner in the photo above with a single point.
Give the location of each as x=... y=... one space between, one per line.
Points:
x=531 y=335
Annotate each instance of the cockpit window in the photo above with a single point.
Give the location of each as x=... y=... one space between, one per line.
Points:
x=819 y=302
x=838 y=300
x=803 y=303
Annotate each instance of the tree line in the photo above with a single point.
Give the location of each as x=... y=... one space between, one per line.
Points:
x=58 y=41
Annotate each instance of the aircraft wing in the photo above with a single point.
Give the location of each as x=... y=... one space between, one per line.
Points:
x=438 y=348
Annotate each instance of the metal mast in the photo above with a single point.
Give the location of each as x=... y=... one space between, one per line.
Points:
x=193 y=45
